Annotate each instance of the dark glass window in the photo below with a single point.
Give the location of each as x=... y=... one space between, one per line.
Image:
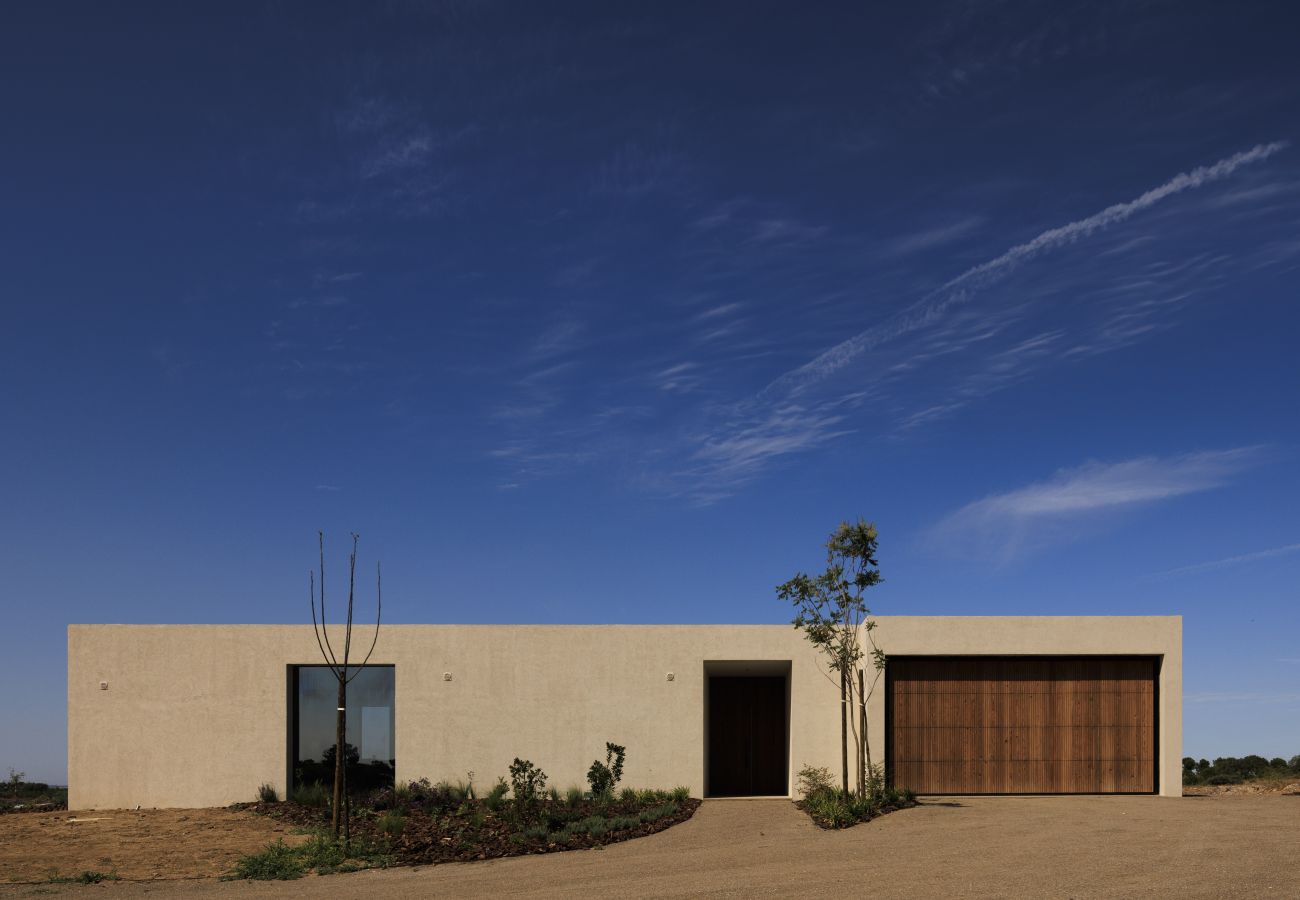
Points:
x=371 y=732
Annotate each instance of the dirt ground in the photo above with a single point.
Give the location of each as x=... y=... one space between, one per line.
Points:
x=134 y=844
x=1249 y=789
x=1078 y=847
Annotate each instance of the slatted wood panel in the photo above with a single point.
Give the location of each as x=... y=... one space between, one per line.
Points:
x=1015 y=725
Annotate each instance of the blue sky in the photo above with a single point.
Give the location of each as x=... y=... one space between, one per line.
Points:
x=602 y=313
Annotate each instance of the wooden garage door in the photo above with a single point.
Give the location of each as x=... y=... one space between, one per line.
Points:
x=1014 y=725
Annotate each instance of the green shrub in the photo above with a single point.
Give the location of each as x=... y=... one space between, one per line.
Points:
x=573 y=796
x=814 y=780
x=278 y=862
x=554 y=793
x=681 y=793
x=266 y=793
x=604 y=777
x=526 y=781
x=313 y=794
x=628 y=795
x=536 y=832
x=620 y=823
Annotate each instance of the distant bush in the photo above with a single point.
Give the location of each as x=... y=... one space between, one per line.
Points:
x=1235 y=770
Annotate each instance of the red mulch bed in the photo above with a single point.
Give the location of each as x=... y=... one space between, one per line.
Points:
x=473 y=832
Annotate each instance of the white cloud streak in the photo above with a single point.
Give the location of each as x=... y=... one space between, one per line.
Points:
x=1056 y=510
x=1240 y=697
x=1226 y=562
x=934 y=237
x=961 y=288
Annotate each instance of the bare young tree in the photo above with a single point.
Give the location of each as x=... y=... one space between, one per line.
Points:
x=340 y=670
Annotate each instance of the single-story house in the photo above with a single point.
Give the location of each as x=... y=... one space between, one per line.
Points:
x=201 y=715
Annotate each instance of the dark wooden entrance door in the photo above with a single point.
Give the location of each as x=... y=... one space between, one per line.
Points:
x=1014 y=725
x=747 y=737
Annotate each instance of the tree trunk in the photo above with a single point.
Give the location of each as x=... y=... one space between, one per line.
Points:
x=844 y=729
x=864 y=752
x=340 y=739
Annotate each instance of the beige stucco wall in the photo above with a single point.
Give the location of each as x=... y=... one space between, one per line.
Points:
x=197 y=715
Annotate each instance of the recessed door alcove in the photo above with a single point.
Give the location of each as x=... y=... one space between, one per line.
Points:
x=747 y=733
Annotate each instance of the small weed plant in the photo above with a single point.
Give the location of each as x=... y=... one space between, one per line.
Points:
x=86 y=877
x=496 y=797
x=266 y=793
x=391 y=824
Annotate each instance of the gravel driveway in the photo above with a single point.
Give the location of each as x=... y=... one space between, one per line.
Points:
x=969 y=847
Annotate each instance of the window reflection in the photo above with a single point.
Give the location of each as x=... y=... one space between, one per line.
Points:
x=369 y=741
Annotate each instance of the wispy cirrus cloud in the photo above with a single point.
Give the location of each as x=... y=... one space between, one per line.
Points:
x=935 y=236
x=962 y=288
x=986 y=347
x=1008 y=525
x=1228 y=561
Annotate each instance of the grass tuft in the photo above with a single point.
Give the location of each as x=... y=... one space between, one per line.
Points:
x=277 y=862
x=314 y=795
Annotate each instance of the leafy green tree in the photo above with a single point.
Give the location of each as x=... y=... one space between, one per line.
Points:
x=831 y=611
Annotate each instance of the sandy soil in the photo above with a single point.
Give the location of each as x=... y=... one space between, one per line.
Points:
x=134 y=844
x=1232 y=846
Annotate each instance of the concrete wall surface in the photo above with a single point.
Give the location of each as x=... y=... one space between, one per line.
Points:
x=198 y=715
